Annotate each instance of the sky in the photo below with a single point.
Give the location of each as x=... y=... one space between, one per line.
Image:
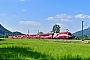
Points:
x=34 y=15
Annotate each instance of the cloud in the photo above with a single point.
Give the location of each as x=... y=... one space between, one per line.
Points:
x=66 y=20
x=65 y=17
x=15 y=16
x=22 y=0
x=29 y=23
x=24 y=10
x=2 y=14
x=80 y=16
x=88 y=17
x=59 y=17
x=62 y=16
x=62 y=25
x=50 y=18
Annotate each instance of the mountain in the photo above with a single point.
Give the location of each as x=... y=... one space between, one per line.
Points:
x=85 y=31
x=17 y=33
x=4 y=32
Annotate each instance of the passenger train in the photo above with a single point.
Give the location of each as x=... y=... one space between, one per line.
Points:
x=60 y=35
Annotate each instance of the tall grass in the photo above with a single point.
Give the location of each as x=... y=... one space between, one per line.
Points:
x=34 y=49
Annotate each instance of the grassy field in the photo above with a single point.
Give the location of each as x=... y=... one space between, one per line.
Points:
x=35 y=49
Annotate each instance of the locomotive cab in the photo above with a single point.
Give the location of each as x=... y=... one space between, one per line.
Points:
x=69 y=35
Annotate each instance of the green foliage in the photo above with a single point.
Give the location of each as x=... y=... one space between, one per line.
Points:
x=73 y=36
x=77 y=38
x=40 y=32
x=56 y=28
x=85 y=37
x=34 y=49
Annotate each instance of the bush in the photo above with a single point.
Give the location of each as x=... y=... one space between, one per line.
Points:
x=77 y=38
x=86 y=39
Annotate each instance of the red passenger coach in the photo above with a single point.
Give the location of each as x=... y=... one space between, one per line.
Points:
x=45 y=36
x=33 y=36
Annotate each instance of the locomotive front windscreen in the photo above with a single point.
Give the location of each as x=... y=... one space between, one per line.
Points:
x=70 y=35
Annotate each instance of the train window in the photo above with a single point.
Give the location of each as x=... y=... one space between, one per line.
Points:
x=69 y=34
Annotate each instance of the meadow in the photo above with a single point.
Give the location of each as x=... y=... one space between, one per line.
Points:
x=39 y=49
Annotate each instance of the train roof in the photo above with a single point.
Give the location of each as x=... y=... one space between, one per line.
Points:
x=50 y=33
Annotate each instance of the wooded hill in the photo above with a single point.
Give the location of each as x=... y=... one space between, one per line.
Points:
x=86 y=32
x=4 y=33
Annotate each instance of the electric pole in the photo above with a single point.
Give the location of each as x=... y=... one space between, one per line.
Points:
x=28 y=32
x=38 y=31
x=82 y=31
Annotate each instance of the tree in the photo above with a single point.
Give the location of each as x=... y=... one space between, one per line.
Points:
x=56 y=28
x=40 y=32
x=86 y=37
x=73 y=36
x=77 y=38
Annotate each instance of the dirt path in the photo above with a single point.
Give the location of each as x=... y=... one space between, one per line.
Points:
x=62 y=40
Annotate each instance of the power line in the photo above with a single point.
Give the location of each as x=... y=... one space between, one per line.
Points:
x=86 y=24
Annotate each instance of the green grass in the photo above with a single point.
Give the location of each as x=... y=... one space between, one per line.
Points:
x=35 y=49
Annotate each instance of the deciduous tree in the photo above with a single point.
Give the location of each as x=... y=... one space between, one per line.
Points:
x=56 y=28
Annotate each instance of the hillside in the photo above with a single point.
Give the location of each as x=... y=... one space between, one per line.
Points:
x=4 y=32
x=86 y=32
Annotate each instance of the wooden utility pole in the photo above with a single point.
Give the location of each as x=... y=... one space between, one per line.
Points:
x=82 y=31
